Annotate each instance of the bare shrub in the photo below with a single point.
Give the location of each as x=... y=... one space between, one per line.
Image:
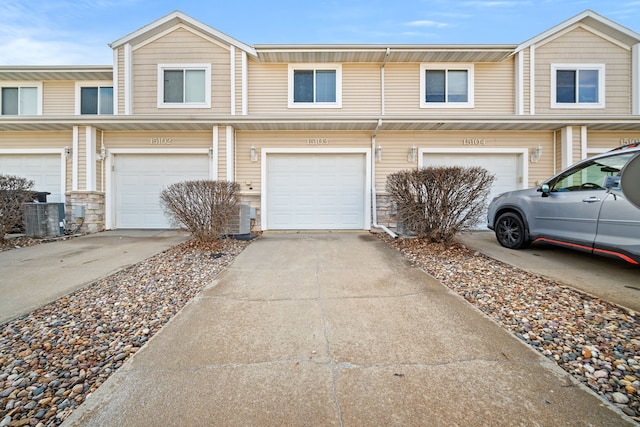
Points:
x=205 y=208
x=436 y=203
x=14 y=191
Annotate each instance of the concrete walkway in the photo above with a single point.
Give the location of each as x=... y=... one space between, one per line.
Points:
x=36 y=275
x=336 y=329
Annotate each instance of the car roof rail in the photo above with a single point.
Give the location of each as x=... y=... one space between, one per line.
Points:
x=626 y=146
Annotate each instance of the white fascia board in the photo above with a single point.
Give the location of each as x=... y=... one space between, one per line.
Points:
x=181 y=17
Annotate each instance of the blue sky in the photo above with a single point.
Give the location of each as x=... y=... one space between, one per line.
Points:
x=72 y=32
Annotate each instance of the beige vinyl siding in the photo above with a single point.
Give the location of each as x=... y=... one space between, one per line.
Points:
x=268 y=88
x=558 y=151
x=81 y=155
x=99 y=164
x=610 y=140
x=58 y=98
x=526 y=81
x=584 y=47
x=396 y=146
x=142 y=140
x=269 y=91
x=248 y=171
x=121 y=81
x=28 y=140
x=494 y=90
x=180 y=47
x=577 y=144
x=361 y=89
x=238 y=77
x=402 y=89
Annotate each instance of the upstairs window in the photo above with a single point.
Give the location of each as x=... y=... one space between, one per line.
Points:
x=577 y=86
x=96 y=100
x=19 y=101
x=315 y=86
x=446 y=86
x=184 y=86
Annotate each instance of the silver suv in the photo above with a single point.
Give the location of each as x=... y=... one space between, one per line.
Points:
x=582 y=208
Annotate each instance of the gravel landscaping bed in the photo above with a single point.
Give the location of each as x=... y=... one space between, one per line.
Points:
x=595 y=341
x=53 y=358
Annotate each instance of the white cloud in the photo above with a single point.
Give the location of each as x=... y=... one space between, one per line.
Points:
x=427 y=23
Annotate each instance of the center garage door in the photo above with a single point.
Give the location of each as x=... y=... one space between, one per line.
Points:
x=315 y=191
x=44 y=170
x=139 y=179
x=505 y=167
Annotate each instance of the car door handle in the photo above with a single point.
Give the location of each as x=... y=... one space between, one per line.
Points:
x=591 y=199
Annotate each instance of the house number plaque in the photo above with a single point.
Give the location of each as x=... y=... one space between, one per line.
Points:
x=318 y=141
x=161 y=141
x=473 y=141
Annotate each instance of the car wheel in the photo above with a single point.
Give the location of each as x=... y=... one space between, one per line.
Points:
x=510 y=231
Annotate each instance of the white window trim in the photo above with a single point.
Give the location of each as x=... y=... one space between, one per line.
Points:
x=601 y=85
x=448 y=66
x=88 y=83
x=207 y=83
x=314 y=66
x=19 y=84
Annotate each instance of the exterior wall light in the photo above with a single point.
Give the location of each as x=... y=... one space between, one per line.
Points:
x=537 y=154
x=254 y=154
x=413 y=154
x=67 y=152
x=379 y=153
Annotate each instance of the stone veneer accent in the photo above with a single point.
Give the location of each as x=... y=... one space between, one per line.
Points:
x=386 y=211
x=94 y=211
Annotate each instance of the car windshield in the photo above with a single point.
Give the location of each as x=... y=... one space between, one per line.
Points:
x=597 y=174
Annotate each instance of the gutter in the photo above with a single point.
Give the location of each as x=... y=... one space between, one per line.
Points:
x=374 y=206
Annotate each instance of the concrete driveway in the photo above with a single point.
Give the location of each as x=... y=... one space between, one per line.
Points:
x=607 y=278
x=36 y=275
x=336 y=329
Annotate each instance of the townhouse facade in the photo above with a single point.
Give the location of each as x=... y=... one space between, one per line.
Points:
x=310 y=132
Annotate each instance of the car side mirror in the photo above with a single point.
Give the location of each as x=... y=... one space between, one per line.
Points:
x=545 y=190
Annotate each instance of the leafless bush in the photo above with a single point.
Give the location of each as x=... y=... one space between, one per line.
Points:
x=436 y=203
x=14 y=191
x=205 y=208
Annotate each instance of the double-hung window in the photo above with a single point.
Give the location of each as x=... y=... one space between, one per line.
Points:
x=20 y=100
x=577 y=85
x=184 y=86
x=315 y=86
x=446 y=86
x=94 y=98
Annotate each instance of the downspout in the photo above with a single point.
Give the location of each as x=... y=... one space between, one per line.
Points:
x=374 y=203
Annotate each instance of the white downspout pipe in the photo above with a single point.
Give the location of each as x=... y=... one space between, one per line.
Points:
x=374 y=203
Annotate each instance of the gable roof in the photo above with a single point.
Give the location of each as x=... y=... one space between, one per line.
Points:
x=593 y=20
x=173 y=19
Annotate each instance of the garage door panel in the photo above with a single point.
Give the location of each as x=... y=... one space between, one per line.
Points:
x=44 y=170
x=326 y=191
x=139 y=180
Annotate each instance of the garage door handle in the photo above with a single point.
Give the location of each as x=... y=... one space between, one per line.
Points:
x=591 y=199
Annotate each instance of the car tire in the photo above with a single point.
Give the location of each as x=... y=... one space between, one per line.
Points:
x=510 y=231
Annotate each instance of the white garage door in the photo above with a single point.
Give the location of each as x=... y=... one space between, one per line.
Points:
x=139 y=180
x=45 y=170
x=315 y=191
x=505 y=167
